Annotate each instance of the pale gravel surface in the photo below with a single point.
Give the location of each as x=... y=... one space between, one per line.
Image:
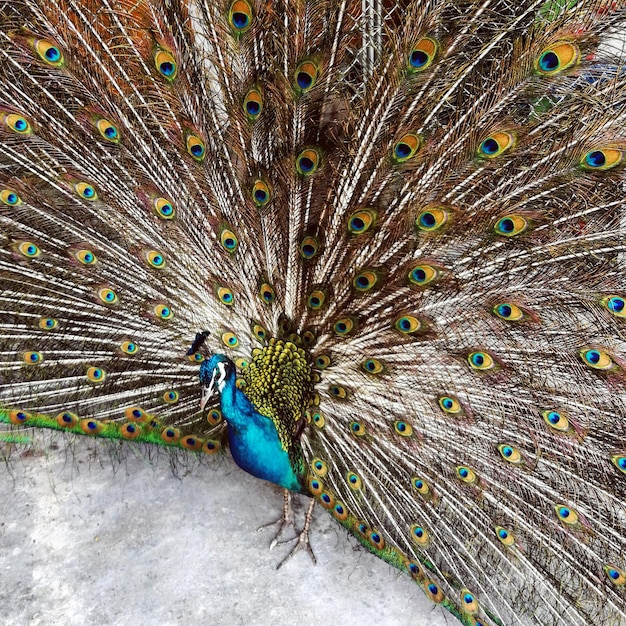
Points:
x=81 y=544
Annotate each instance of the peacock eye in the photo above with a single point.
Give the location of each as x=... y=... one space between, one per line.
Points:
x=225 y=295
x=422 y=54
x=431 y=219
x=557 y=57
x=309 y=247
x=361 y=221
x=108 y=130
x=86 y=257
x=163 y=312
x=230 y=339
x=240 y=16
x=86 y=191
x=155 y=259
x=422 y=275
x=306 y=76
x=449 y=405
x=510 y=454
x=260 y=193
x=17 y=124
x=602 y=159
x=316 y=300
x=496 y=144
x=253 y=104
x=164 y=208
x=195 y=147
x=229 y=240
x=166 y=64
x=511 y=225
x=365 y=280
x=28 y=249
x=566 y=514
x=406 y=147
x=307 y=162
x=9 y=197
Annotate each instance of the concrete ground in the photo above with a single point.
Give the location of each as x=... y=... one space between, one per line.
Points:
x=83 y=543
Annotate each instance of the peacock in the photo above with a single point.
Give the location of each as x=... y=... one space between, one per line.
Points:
x=375 y=249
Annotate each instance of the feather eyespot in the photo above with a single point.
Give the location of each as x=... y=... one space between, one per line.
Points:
x=431 y=219
x=48 y=323
x=510 y=225
x=407 y=325
x=307 y=162
x=230 y=339
x=316 y=300
x=402 y=428
x=33 y=358
x=240 y=16
x=67 y=419
x=468 y=602
x=163 y=312
x=129 y=347
x=466 y=474
x=319 y=467
x=422 y=54
x=423 y=275
x=214 y=417
x=260 y=193
x=421 y=486
x=318 y=419
x=365 y=280
x=86 y=191
x=406 y=147
x=340 y=512
x=361 y=221
x=108 y=130
x=95 y=374
x=510 y=454
x=17 y=123
x=316 y=486
x=557 y=58
x=9 y=197
x=91 y=426
x=344 y=326
x=354 y=481
x=619 y=460
x=135 y=414
x=195 y=147
x=597 y=359
x=196 y=357
x=327 y=500
x=357 y=429
x=86 y=257
x=508 y=311
x=171 y=396
x=190 y=442
x=496 y=144
x=602 y=159
x=48 y=52
x=433 y=591
x=130 y=431
x=166 y=64
x=19 y=417
x=322 y=361
x=211 y=446
x=556 y=421
x=615 y=305
x=337 y=391
x=240 y=363
x=253 y=104
x=225 y=295
x=108 y=296
x=450 y=405
x=376 y=539
x=259 y=332
x=414 y=570
x=373 y=366
x=616 y=575
x=28 y=249
x=419 y=535
x=566 y=514
x=229 y=240
x=481 y=361
x=309 y=247
x=505 y=536
x=164 y=208
x=267 y=293
x=155 y=259
x=170 y=435
x=306 y=76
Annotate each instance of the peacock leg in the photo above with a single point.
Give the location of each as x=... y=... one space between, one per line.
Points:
x=302 y=538
x=286 y=520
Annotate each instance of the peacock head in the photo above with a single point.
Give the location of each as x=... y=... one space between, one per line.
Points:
x=214 y=374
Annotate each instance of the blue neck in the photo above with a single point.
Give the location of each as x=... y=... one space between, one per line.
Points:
x=254 y=441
